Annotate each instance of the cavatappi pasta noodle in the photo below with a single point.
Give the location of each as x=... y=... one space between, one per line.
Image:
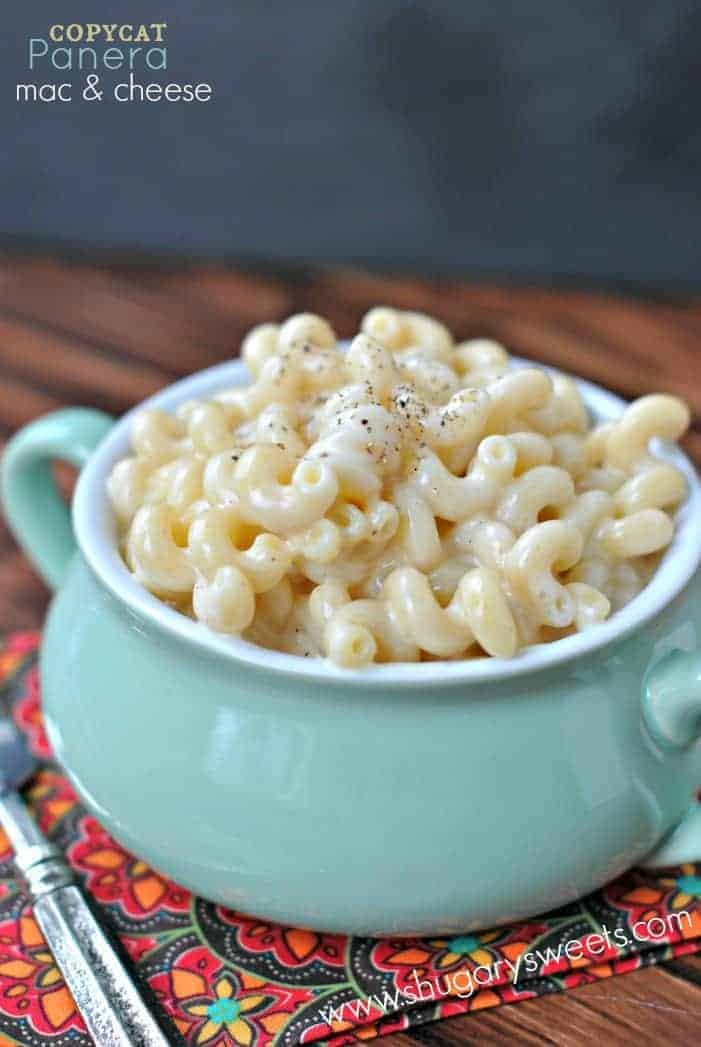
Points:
x=408 y=499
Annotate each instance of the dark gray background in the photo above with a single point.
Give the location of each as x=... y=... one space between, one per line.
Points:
x=553 y=138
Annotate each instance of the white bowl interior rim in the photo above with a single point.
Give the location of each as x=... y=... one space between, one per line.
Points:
x=95 y=531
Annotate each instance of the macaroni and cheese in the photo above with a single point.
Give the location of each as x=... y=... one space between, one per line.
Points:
x=407 y=499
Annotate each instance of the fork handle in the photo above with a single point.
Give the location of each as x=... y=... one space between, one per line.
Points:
x=105 y=995
x=104 y=992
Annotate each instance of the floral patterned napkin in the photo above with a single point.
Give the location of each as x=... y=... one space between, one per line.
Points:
x=229 y=979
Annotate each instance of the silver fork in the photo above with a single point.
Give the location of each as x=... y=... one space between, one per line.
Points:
x=105 y=994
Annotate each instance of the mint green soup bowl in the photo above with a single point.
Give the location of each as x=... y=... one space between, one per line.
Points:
x=438 y=797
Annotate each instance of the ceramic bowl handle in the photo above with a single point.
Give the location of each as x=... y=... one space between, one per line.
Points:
x=672 y=715
x=35 y=511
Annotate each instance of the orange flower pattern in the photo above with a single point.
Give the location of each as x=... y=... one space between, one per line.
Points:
x=228 y=980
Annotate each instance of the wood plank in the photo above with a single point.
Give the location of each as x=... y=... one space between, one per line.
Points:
x=243 y=297
x=20 y=402
x=686 y=967
x=67 y=369
x=646 y=1007
x=130 y=321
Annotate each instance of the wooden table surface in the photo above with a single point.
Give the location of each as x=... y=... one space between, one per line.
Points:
x=75 y=333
